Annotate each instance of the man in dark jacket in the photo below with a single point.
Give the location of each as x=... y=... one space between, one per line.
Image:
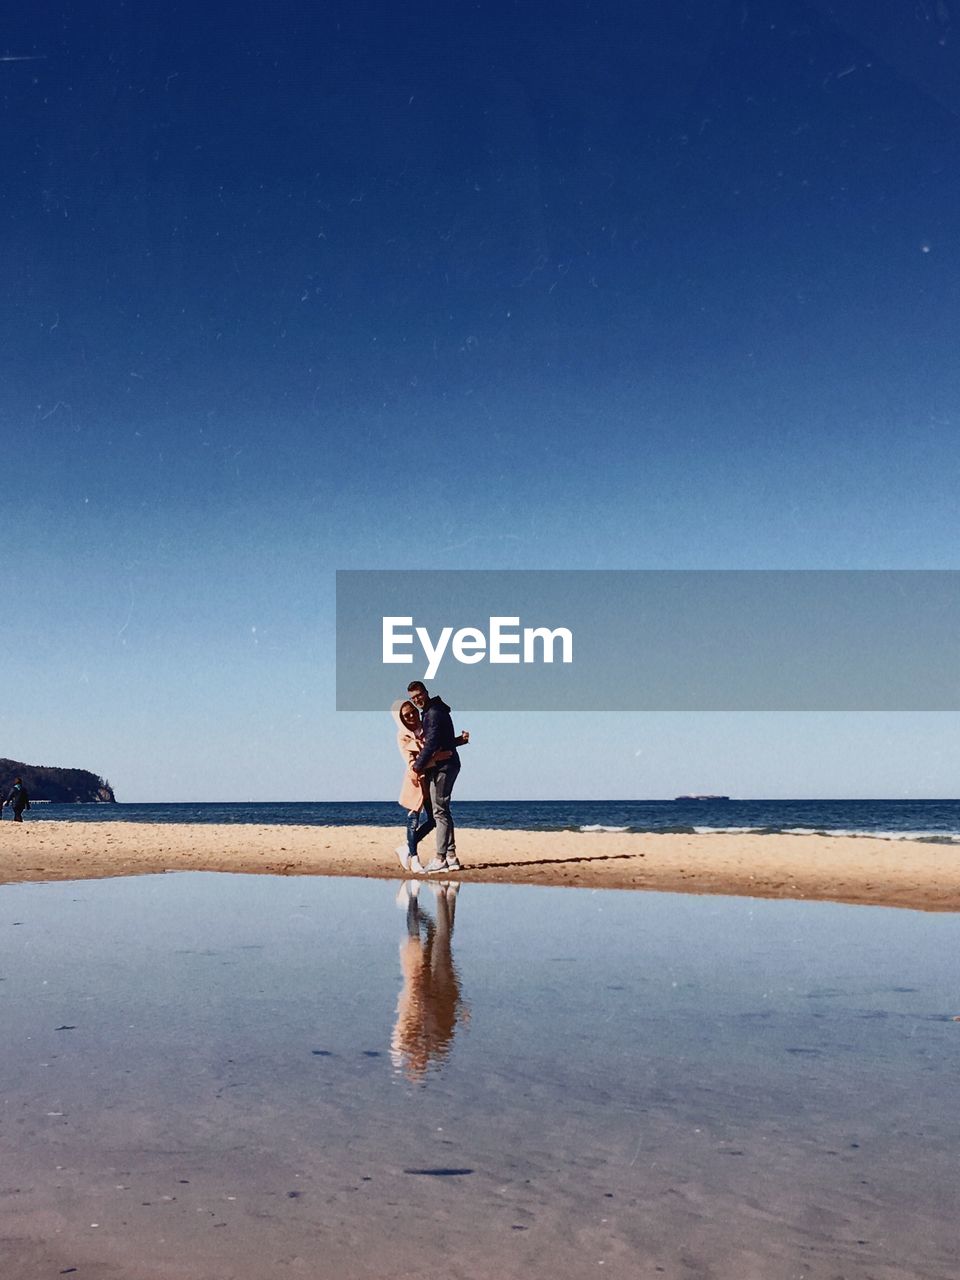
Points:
x=438 y=735
x=18 y=800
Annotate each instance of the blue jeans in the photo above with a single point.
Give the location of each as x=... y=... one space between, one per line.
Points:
x=419 y=824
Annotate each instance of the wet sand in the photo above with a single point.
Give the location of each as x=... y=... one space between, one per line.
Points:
x=901 y=873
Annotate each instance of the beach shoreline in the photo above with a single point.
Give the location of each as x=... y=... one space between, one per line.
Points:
x=850 y=869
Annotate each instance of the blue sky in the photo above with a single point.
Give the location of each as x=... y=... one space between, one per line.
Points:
x=480 y=286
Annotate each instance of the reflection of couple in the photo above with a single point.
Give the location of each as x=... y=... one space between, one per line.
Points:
x=428 y=745
x=429 y=1006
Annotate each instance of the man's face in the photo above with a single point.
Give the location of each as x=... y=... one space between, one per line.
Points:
x=419 y=698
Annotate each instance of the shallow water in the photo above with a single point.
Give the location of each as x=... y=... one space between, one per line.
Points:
x=250 y=1077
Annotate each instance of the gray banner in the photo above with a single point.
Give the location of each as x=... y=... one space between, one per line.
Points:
x=652 y=640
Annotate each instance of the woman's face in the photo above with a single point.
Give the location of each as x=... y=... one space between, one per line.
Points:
x=410 y=715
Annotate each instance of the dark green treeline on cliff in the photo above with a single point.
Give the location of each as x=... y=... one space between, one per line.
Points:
x=59 y=786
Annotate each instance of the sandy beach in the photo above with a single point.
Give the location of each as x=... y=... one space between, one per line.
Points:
x=901 y=873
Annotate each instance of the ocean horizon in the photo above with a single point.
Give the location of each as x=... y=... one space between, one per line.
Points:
x=936 y=821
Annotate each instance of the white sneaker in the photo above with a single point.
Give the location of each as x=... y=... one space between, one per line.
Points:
x=407 y=893
x=438 y=864
x=403 y=854
x=415 y=868
x=453 y=863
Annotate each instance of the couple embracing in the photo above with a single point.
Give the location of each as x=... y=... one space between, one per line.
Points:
x=428 y=745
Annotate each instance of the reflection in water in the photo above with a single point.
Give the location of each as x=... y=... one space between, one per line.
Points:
x=429 y=1006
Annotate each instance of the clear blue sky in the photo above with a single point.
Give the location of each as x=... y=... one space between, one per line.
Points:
x=301 y=287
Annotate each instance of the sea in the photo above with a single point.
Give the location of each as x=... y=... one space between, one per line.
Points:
x=936 y=821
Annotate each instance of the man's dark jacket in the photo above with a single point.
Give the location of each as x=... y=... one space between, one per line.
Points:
x=438 y=735
x=17 y=799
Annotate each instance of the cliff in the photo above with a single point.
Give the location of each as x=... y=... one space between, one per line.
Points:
x=59 y=786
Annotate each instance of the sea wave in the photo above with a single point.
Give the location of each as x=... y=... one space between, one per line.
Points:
x=867 y=833
x=858 y=833
x=738 y=831
x=593 y=828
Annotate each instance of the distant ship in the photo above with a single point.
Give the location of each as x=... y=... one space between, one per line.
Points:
x=701 y=797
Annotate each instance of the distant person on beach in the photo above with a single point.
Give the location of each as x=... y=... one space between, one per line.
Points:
x=415 y=792
x=438 y=736
x=18 y=800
